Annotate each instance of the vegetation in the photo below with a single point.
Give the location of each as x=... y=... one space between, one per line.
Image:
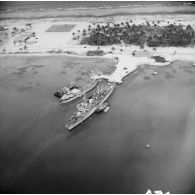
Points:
x=100 y=39
x=152 y=35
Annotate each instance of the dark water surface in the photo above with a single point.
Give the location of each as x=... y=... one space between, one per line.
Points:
x=159 y=59
x=60 y=9
x=107 y=153
x=20 y=5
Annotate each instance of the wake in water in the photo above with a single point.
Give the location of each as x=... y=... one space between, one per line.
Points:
x=35 y=119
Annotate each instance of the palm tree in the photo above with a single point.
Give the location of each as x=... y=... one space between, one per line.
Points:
x=103 y=28
x=84 y=32
x=98 y=27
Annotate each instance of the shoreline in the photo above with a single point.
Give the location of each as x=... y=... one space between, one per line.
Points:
x=65 y=16
x=127 y=63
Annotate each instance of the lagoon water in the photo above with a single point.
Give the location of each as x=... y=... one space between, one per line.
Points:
x=36 y=5
x=107 y=153
x=52 y=9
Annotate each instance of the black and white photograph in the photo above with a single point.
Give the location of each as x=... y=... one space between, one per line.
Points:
x=97 y=97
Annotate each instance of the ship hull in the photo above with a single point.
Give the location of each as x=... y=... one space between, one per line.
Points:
x=73 y=125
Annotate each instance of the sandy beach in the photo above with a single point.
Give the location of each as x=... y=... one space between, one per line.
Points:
x=46 y=42
x=107 y=153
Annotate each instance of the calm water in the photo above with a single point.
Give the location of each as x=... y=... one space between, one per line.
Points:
x=52 y=9
x=107 y=153
x=20 y=5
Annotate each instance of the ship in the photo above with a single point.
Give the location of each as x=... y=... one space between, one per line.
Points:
x=71 y=92
x=90 y=105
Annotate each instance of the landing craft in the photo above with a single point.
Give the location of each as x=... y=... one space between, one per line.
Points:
x=72 y=91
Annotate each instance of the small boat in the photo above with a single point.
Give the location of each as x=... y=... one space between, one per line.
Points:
x=102 y=106
x=106 y=109
x=154 y=73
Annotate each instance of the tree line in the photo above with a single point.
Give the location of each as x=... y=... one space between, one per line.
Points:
x=152 y=35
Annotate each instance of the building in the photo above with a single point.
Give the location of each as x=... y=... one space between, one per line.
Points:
x=28 y=26
x=144 y=53
x=3 y=29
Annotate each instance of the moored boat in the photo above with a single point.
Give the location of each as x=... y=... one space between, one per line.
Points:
x=102 y=106
x=106 y=109
x=89 y=106
x=73 y=91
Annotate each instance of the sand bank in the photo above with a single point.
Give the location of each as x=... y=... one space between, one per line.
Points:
x=128 y=63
